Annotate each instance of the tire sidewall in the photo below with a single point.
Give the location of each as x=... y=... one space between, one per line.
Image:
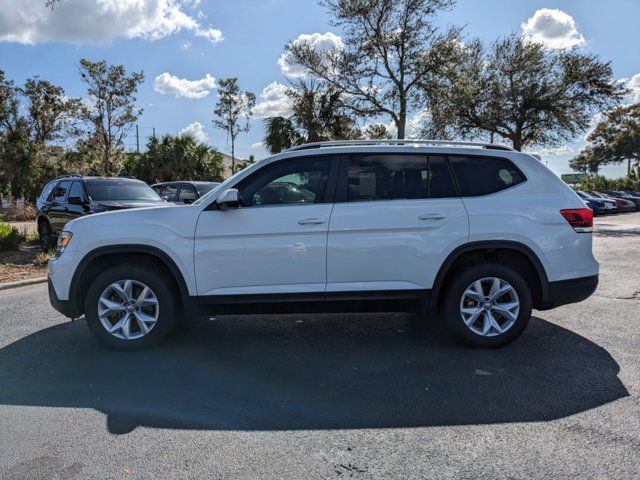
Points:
x=462 y=280
x=45 y=240
x=154 y=279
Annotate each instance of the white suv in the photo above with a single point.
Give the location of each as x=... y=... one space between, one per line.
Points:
x=475 y=234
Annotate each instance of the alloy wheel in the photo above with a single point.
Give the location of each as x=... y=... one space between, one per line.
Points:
x=128 y=309
x=489 y=306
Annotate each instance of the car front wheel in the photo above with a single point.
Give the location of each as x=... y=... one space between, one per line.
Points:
x=131 y=307
x=488 y=305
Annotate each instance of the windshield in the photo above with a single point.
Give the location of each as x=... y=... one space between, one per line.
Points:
x=121 y=190
x=205 y=187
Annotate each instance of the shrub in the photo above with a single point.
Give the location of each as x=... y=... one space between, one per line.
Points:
x=10 y=237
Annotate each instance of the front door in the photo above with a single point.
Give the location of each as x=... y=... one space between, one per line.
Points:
x=276 y=241
x=396 y=218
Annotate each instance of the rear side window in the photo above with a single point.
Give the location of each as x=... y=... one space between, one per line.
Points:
x=77 y=190
x=187 y=192
x=484 y=175
x=47 y=190
x=398 y=177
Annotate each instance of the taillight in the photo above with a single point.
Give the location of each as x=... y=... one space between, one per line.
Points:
x=581 y=219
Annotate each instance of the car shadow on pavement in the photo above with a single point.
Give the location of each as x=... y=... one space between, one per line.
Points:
x=311 y=372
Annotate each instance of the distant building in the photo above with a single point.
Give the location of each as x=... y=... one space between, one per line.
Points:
x=240 y=164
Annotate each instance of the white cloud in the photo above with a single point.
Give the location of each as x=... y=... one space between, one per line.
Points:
x=273 y=102
x=553 y=28
x=556 y=151
x=195 y=130
x=258 y=145
x=97 y=21
x=181 y=87
x=319 y=41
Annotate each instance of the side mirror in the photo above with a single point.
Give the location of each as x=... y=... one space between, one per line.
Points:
x=75 y=201
x=228 y=199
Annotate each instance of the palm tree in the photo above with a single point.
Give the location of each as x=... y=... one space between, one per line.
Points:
x=317 y=114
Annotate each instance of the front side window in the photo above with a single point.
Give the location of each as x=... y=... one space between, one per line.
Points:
x=484 y=175
x=76 y=190
x=398 y=177
x=296 y=181
x=60 y=193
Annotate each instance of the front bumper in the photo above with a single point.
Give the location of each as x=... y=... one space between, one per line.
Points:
x=66 y=307
x=570 y=291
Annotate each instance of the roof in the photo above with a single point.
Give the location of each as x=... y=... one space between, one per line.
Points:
x=400 y=143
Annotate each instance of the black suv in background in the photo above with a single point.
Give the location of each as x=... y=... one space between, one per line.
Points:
x=71 y=196
x=183 y=191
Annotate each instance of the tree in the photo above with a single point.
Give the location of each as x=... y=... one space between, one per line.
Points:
x=376 y=131
x=522 y=92
x=112 y=111
x=617 y=137
x=390 y=47
x=588 y=160
x=52 y=114
x=233 y=111
x=176 y=157
x=318 y=113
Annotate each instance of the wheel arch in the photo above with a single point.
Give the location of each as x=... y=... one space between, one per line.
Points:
x=494 y=250
x=103 y=256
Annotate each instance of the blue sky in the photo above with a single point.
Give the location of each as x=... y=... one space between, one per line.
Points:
x=190 y=39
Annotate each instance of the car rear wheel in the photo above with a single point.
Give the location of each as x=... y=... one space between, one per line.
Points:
x=488 y=305
x=131 y=307
x=44 y=232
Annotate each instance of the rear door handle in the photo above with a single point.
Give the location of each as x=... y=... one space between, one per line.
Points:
x=432 y=216
x=311 y=221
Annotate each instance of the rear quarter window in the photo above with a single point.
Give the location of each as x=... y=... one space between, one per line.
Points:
x=479 y=176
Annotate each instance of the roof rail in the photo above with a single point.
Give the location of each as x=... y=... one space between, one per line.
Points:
x=348 y=143
x=68 y=175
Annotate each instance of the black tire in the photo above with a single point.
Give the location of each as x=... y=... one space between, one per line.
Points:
x=44 y=232
x=161 y=285
x=461 y=280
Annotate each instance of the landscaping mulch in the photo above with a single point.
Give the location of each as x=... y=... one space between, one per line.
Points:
x=28 y=262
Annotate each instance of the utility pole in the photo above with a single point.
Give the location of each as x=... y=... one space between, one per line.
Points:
x=154 y=132
x=137 y=139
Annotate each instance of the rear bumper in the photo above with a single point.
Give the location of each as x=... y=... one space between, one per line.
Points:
x=66 y=307
x=569 y=291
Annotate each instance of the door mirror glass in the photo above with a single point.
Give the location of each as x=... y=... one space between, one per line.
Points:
x=228 y=199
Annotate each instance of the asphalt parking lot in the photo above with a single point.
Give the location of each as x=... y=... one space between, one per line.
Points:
x=331 y=396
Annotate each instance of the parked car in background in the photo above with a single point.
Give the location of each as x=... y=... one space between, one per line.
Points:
x=72 y=196
x=598 y=206
x=183 y=192
x=626 y=196
x=610 y=206
x=476 y=235
x=622 y=205
x=627 y=205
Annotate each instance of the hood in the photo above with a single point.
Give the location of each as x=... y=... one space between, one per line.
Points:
x=109 y=205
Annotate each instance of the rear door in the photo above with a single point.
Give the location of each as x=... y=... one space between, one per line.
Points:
x=75 y=210
x=396 y=218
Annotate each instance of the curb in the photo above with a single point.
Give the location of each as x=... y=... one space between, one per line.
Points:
x=22 y=283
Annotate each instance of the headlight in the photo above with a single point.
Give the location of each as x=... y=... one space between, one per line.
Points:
x=64 y=239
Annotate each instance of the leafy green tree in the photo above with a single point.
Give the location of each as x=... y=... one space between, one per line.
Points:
x=112 y=111
x=520 y=91
x=376 y=131
x=175 y=158
x=617 y=137
x=588 y=160
x=389 y=48
x=318 y=114
x=232 y=111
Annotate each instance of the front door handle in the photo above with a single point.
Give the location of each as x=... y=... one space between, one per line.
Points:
x=432 y=216
x=311 y=221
